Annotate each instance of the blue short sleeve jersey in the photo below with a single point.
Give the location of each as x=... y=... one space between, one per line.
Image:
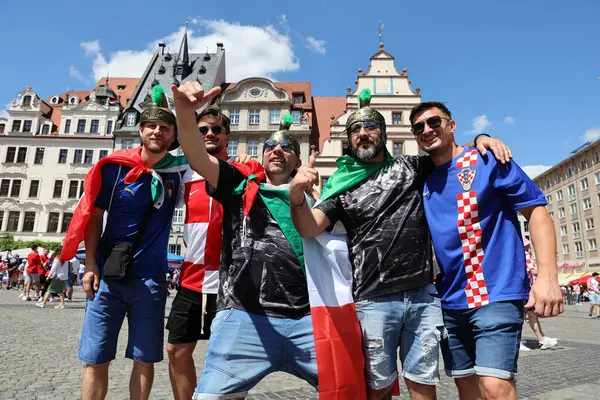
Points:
x=130 y=203
x=470 y=204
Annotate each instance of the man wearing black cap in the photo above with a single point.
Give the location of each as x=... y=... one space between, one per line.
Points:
x=126 y=261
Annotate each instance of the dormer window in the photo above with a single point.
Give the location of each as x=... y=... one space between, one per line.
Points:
x=179 y=71
x=26 y=100
x=298 y=98
x=130 y=118
x=161 y=70
x=202 y=69
x=255 y=92
x=73 y=100
x=121 y=87
x=54 y=100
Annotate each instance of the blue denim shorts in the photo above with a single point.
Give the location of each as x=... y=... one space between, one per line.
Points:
x=142 y=300
x=244 y=348
x=411 y=320
x=483 y=341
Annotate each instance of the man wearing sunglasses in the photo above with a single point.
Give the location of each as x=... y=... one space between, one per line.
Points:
x=378 y=199
x=263 y=321
x=199 y=277
x=471 y=202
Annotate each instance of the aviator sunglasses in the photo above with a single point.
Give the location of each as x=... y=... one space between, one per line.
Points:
x=216 y=130
x=286 y=146
x=433 y=122
x=369 y=126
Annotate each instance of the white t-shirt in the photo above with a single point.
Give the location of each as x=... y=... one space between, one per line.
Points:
x=81 y=268
x=75 y=264
x=60 y=270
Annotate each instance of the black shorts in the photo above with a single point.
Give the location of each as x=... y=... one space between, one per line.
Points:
x=185 y=319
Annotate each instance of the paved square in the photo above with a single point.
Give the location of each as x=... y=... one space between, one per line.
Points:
x=39 y=348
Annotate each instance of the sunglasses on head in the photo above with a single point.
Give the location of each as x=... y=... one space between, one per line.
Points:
x=369 y=126
x=433 y=122
x=216 y=130
x=286 y=146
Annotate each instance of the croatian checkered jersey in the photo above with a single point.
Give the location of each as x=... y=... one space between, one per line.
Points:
x=202 y=236
x=471 y=204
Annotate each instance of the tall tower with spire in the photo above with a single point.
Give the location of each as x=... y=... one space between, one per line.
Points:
x=183 y=67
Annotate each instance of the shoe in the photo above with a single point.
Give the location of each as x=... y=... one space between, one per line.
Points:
x=38 y=299
x=551 y=339
x=51 y=300
x=21 y=295
x=60 y=307
x=598 y=317
x=524 y=348
x=40 y=305
x=546 y=343
x=589 y=315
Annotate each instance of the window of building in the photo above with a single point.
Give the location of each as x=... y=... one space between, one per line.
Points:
x=274 y=116
x=548 y=183
x=34 y=188
x=26 y=100
x=583 y=164
x=298 y=98
x=592 y=244
x=16 y=127
x=22 y=155
x=234 y=117
x=573 y=208
x=11 y=152
x=4 y=187
x=62 y=156
x=80 y=125
x=565 y=249
x=551 y=214
x=178 y=216
x=53 y=222
x=569 y=172
x=95 y=126
x=175 y=249
x=1 y=218
x=561 y=212
x=15 y=191
x=127 y=144
x=103 y=153
x=597 y=158
x=58 y=185
x=576 y=229
x=77 y=156
x=67 y=125
x=13 y=221
x=549 y=199
x=109 y=127
x=571 y=190
x=73 y=100
x=254 y=117
x=45 y=129
x=589 y=224
x=81 y=188
x=253 y=147
x=584 y=184
x=587 y=203
x=89 y=157
x=563 y=230
x=232 y=148
x=324 y=180
x=73 y=186
x=54 y=100
x=67 y=217
x=29 y=221
x=27 y=125
x=2 y=128
x=398 y=149
x=130 y=120
x=559 y=195
x=297 y=116
x=396 y=118
x=121 y=87
x=39 y=155
x=557 y=178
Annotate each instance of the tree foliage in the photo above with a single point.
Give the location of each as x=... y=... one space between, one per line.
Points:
x=8 y=242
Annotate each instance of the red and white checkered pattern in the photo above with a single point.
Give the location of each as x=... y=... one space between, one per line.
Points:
x=531 y=268
x=469 y=159
x=469 y=230
x=465 y=177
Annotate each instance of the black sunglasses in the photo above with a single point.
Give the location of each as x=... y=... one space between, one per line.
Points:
x=286 y=146
x=216 y=130
x=433 y=122
x=369 y=126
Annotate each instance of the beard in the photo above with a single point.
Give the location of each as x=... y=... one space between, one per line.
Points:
x=369 y=154
x=213 y=149
x=155 y=147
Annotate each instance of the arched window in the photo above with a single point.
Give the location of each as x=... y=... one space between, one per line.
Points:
x=26 y=100
x=54 y=100
x=73 y=100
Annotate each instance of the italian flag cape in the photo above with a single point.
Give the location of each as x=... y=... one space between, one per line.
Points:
x=338 y=338
x=130 y=158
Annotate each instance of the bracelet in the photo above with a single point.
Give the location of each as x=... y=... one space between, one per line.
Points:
x=478 y=136
x=299 y=205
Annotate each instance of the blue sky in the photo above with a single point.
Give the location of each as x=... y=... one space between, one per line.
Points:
x=525 y=71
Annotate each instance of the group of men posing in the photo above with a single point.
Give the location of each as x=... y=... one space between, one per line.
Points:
x=245 y=222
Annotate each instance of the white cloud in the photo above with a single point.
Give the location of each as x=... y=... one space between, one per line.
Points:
x=74 y=73
x=480 y=123
x=3 y=112
x=534 y=170
x=318 y=46
x=591 y=135
x=250 y=51
x=509 y=120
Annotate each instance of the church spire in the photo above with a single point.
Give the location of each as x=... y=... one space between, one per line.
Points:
x=183 y=58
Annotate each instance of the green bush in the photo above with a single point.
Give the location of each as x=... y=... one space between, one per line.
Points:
x=8 y=242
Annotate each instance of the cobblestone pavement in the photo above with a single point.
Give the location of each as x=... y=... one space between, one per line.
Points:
x=39 y=361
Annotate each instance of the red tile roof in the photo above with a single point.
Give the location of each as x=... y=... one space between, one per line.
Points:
x=326 y=110
x=57 y=108
x=290 y=87
x=114 y=83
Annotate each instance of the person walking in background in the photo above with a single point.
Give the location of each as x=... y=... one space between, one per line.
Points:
x=577 y=290
x=32 y=279
x=59 y=273
x=73 y=270
x=594 y=293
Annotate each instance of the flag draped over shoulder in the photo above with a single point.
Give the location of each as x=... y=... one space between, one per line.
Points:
x=130 y=158
x=338 y=338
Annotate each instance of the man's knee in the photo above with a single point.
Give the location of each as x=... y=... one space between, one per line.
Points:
x=496 y=388
x=380 y=394
x=178 y=352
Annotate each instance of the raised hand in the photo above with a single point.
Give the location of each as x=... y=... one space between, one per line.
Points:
x=305 y=179
x=191 y=96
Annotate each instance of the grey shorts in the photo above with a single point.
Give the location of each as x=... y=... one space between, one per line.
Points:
x=34 y=278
